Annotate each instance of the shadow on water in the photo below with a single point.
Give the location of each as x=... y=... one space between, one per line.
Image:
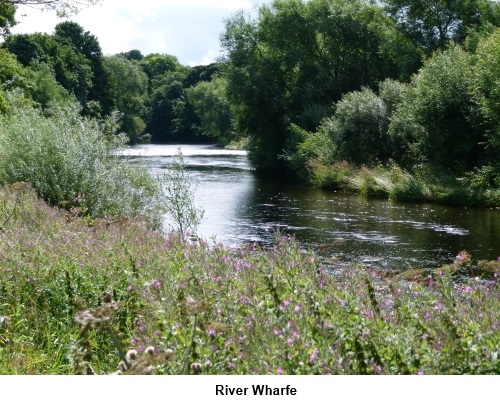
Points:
x=240 y=208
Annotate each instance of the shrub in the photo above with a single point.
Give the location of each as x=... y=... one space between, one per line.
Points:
x=359 y=128
x=487 y=82
x=177 y=197
x=439 y=119
x=70 y=159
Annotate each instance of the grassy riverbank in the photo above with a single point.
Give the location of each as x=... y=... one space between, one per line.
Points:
x=76 y=295
x=424 y=184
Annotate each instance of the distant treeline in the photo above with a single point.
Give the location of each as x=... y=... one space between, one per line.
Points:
x=149 y=92
x=312 y=85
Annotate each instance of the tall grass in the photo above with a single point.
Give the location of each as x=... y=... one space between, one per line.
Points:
x=118 y=297
x=69 y=160
x=422 y=184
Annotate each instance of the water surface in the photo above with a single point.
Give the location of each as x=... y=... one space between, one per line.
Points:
x=239 y=209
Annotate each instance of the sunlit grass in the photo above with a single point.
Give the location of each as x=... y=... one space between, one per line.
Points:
x=393 y=182
x=115 y=296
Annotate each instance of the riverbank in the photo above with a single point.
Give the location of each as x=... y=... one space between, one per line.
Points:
x=423 y=185
x=96 y=296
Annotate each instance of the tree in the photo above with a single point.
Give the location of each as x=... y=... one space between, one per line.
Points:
x=209 y=100
x=133 y=54
x=156 y=64
x=10 y=69
x=289 y=65
x=439 y=120
x=172 y=117
x=7 y=20
x=433 y=24
x=72 y=70
x=487 y=83
x=359 y=128
x=166 y=91
x=128 y=87
x=84 y=43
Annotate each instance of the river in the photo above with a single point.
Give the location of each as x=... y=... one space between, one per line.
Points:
x=239 y=208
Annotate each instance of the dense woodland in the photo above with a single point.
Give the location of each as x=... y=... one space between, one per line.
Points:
x=319 y=91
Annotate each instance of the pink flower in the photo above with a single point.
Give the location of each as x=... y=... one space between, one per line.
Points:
x=420 y=372
x=290 y=342
x=313 y=356
x=280 y=371
x=297 y=308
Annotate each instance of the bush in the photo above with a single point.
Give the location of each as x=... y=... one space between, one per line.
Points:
x=359 y=128
x=439 y=119
x=488 y=83
x=69 y=160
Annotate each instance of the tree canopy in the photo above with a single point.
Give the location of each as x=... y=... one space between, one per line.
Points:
x=294 y=60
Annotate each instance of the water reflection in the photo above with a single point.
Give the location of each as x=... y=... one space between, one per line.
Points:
x=239 y=208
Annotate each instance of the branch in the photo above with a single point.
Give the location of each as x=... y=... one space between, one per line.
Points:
x=62 y=7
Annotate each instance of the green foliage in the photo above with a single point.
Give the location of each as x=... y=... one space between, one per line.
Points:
x=177 y=198
x=310 y=146
x=295 y=57
x=11 y=71
x=487 y=83
x=37 y=80
x=7 y=20
x=71 y=69
x=43 y=88
x=4 y=106
x=75 y=298
x=69 y=158
x=86 y=45
x=167 y=91
x=133 y=54
x=128 y=87
x=439 y=119
x=432 y=25
x=359 y=128
x=209 y=100
x=156 y=64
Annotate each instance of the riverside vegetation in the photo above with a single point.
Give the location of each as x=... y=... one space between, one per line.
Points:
x=89 y=284
x=108 y=296
x=389 y=99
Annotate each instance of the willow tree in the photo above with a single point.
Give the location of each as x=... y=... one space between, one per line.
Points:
x=293 y=61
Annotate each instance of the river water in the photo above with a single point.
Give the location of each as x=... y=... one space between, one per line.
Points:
x=345 y=228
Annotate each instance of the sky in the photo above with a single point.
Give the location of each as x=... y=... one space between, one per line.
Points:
x=187 y=29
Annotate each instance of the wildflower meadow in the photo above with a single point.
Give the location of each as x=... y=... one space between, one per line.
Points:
x=94 y=296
